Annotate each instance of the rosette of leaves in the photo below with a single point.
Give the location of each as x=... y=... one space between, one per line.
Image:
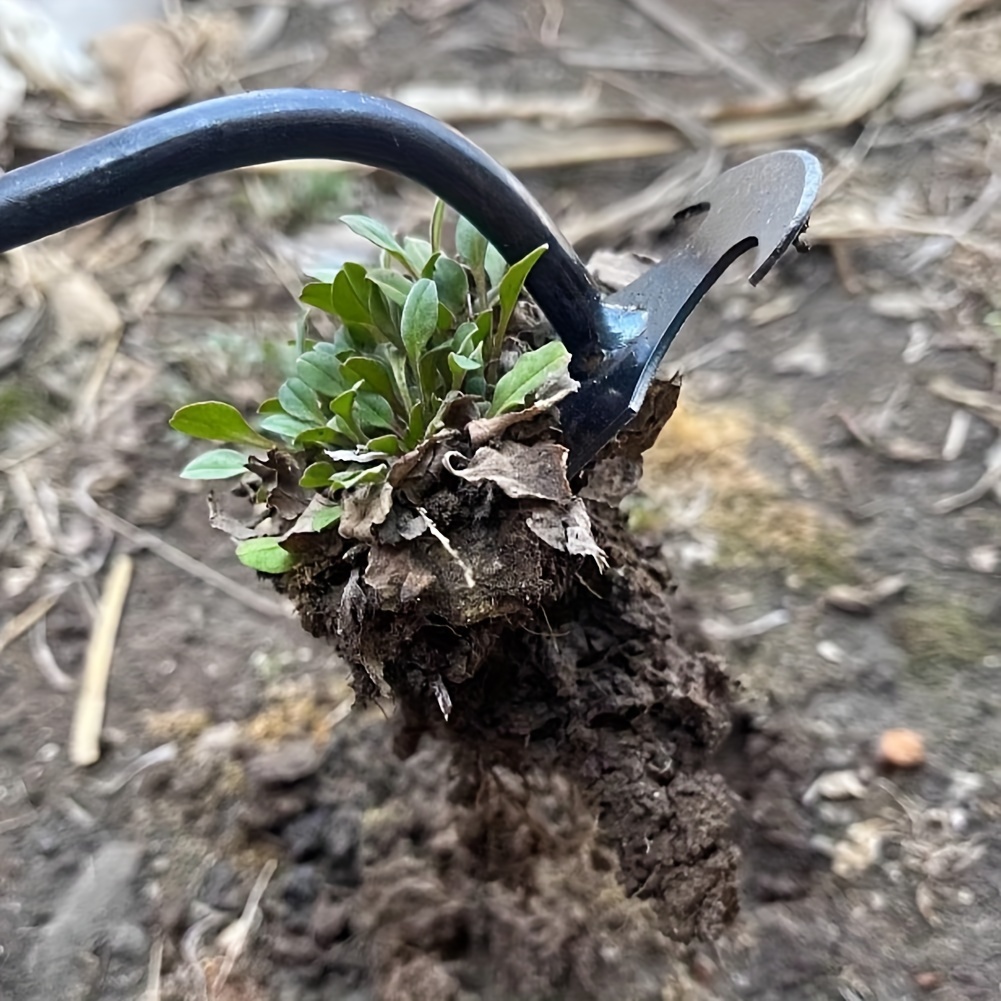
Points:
x=421 y=351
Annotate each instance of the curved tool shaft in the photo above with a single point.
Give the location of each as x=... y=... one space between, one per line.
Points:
x=163 y=152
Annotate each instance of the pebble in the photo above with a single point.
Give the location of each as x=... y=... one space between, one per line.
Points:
x=928 y=980
x=830 y=651
x=343 y=837
x=95 y=906
x=300 y=886
x=291 y=762
x=901 y=748
x=860 y=848
x=221 y=888
x=329 y=922
x=296 y=950
x=305 y=835
x=846 y=784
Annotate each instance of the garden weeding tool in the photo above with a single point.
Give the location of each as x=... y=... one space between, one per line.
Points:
x=617 y=343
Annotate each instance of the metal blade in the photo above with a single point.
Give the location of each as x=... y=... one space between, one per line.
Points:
x=761 y=205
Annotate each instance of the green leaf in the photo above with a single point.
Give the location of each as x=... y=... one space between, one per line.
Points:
x=466 y=338
x=510 y=288
x=342 y=404
x=392 y=283
x=470 y=243
x=326 y=516
x=374 y=412
x=349 y=431
x=494 y=265
x=459 y=366
x=216 y=421
x=320 y=372
x=320 y=295
x=270 y=406
x=287 y=427
x=323 y=275
x=418 y=253
x=316 y=475
x=300 y=402
x=462 y=363
x=437 y=222
x=377 y=377
x=265 y=555
x=428 y=270
x=373 y=231
x=355 y=477
x=377 y=233
x=533 y=370
x=398 y=363
x=316 y=436
x=420 y=318
x=453 y=287
x=357 y=276
x=430 y=375
x=219 y=464
x=385 y=315
x=416 y=427
x=387 y=443
x=347 y=303
x=485 y=325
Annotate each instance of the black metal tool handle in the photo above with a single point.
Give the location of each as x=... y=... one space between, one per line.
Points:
x=264 y=126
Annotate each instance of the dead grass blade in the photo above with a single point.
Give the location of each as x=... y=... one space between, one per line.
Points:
x=85 y=734
x=23 y=621
x=237 y=935
x=983 y=403
x=181 y=560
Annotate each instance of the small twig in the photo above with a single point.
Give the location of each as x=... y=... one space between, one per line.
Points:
x=669 y=19
x=238 y=934
x=449 y=548
x=181 y=560
x=23 y=621
x=85 y=735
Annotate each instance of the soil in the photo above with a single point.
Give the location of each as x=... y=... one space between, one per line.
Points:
x=586 y=845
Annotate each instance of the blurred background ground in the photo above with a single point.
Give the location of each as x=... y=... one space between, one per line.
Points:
x=828 y=494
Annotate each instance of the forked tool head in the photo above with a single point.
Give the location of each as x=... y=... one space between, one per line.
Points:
x=760 y=206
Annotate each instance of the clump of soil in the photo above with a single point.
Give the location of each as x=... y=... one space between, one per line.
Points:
x=567 y=808
x=411 y=881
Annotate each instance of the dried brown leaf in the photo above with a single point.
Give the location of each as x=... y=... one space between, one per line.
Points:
x=567 y=529
x=364 y=508
x=280 y=478
x=521 y=471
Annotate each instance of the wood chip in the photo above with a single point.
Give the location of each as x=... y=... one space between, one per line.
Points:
x=85 y=735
